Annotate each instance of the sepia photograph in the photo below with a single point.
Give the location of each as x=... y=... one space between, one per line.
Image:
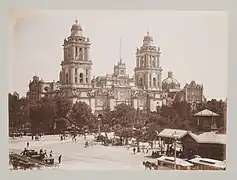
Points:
x=117 y=90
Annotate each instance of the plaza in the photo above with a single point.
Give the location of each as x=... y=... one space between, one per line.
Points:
x=76 y=157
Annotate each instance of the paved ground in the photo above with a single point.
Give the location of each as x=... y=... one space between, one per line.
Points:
x=76 y=157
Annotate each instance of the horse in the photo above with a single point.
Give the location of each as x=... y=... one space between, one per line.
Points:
x=154 y=165
x=150 y=165
x=147 y=165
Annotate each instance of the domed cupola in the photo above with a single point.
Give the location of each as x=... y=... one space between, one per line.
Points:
x=35 y=78
x=170 y=82
x=148 y=40
x=76 y=29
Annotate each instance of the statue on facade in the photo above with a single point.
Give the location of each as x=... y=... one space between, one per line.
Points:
x=80 y=57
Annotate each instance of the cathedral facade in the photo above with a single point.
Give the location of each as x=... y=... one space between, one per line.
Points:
x=145 y=90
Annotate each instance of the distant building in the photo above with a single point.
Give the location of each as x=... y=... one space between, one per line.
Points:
x=193 y=93
x=39 y=89
x=144 y=90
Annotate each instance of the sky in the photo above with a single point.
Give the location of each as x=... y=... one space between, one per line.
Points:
x=194 y=44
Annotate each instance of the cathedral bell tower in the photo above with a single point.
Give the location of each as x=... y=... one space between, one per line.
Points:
x=148 y=71
x=76 y=64
x=120 y=68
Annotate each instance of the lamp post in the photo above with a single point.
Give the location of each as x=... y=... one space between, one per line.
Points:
x=175 y=144
x=99 y=119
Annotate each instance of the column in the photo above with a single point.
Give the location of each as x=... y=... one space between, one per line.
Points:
x=111 y=104
x=88 y=76
x=157 y=61
x=83 y=54
x=73 y=52
x=154 y=61
x=87 y=54
x=152 y=105
x=134 y=103
x=92 y=104
x=72 y=75
x=137 y=61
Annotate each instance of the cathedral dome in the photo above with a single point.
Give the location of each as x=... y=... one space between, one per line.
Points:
x=170 y=83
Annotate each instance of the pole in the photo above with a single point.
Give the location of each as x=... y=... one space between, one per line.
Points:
x=99 y=126
x=175 y=153
x=120 y=51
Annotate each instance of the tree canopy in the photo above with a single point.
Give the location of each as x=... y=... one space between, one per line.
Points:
x=61 y=111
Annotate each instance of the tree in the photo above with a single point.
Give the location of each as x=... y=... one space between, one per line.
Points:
x=62 y=106
x=220 y=108
x=124 y=114
x=18 y=111
x=82 y=114
x=62 y=124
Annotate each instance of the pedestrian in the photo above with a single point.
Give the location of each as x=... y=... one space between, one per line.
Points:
x=147 y=150
x=41 y=151
x=60 y=159
x=134 y=150
x=32 y=137
x=50 y=154
x=27 y=144
x=45 y=153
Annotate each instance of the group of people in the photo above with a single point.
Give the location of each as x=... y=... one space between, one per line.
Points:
x=45 y=153
x=36 y=137
x=41 y=152
x=62 y=137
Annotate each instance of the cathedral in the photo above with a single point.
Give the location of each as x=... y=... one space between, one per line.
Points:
x=144 y=90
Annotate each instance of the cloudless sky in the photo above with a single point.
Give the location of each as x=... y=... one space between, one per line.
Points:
x=193 y=44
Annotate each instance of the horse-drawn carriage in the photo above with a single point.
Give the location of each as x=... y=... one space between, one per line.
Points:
x=29 y=159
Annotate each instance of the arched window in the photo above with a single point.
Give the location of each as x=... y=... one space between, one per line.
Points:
x=67 y=79
x=81 y=77
x=154 y=81
x=86 y=80
x=76 y=71
x=75 y=79
x=86 y=71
